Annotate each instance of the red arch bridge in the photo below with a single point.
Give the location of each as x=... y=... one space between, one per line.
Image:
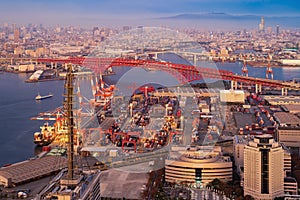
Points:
x=183 y=73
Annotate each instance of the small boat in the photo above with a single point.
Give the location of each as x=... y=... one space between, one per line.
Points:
x=39 y=97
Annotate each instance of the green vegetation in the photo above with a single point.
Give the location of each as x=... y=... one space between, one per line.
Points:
x=230 y=188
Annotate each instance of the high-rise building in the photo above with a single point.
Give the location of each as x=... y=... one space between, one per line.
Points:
x=96 y=32
x=262 y=25
x=263 y=168
x=13 y=27
x=277 y=30
x=16 y=35
x=240 y=141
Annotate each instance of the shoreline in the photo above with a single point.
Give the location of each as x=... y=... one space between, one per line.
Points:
x=45 y=79
x=17 y=72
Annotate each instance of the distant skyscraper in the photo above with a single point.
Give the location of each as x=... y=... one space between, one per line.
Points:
x=16 y=34
x=269 y=30
x=262 y=24
x=13 y=26
x=277 y=30
x=126 y=28
x=263 y=168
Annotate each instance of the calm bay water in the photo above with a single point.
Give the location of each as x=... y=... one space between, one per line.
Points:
x=17 y=106
x=287 y=73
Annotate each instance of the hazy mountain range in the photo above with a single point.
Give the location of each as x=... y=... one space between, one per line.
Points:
x=225 y=16
x=225 y=21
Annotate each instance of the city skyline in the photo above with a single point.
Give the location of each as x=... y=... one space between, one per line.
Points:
x=118 y=12
x=136 y=99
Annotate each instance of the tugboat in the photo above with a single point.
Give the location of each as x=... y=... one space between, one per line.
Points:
x=45 y=136
x=39 y=97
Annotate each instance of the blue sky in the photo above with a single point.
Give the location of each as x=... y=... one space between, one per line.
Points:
x=67 y=11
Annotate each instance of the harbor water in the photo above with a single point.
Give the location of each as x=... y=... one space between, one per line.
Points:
x=17 y=106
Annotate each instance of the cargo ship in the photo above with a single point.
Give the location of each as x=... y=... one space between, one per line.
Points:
x=39 y=97
x=45 y=136
x=55 y=132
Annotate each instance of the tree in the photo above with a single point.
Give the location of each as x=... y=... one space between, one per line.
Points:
x=216 y=183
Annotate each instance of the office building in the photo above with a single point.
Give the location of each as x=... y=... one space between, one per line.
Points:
x=263 y=168
x=262 y=25
x=16 y=35
x=277 y=30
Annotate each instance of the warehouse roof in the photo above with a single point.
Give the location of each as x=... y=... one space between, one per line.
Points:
x=288 y=119
x=280 y=100
x=293 y=108
x=31 y=169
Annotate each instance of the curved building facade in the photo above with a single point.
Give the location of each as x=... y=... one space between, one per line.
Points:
x=199 y=165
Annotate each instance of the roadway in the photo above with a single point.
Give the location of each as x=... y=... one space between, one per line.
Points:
x=188 y=108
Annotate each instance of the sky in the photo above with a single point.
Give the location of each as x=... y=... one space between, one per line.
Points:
x=107 y=11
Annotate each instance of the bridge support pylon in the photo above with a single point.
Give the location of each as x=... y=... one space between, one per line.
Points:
x=257 y=88
x=284 y=91
x=244 y=68
x=234 y=85
x=269 y=70
x=195 y=59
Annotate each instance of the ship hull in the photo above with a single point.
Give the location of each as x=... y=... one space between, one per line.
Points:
x=43 y=97
x=42 y=143
x=45 y=136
